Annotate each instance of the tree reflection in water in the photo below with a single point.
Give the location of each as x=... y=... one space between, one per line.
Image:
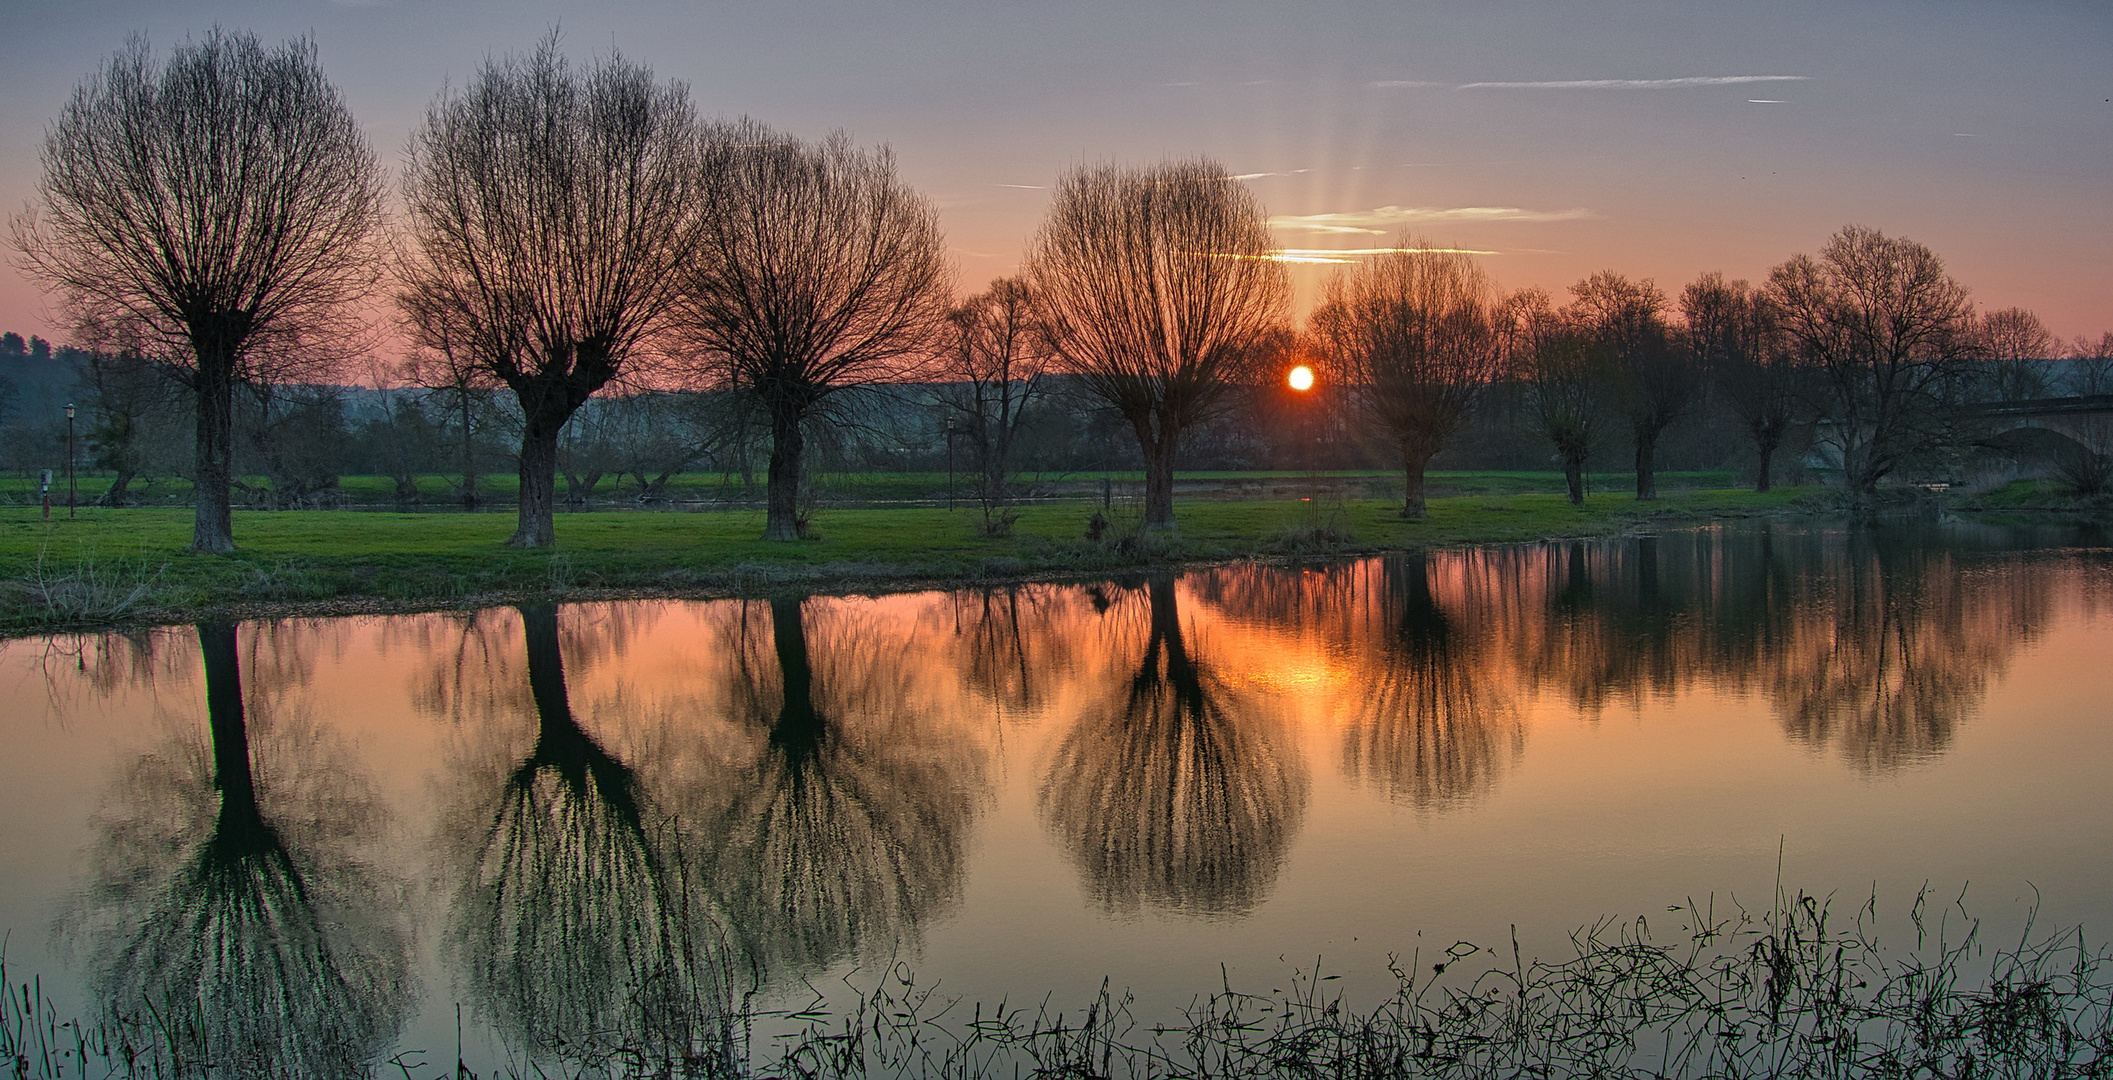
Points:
x=1434 y=725
x=581 y=934
x=1898 y=648
x=246 y=957
x=846 y=826
x=1174 y=794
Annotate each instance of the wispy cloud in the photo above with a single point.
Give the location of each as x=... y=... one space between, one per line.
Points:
x=1765 y=101
x=1260 y=175
x=1023 y=187
x=1351 y=255
x=1634 y=84
x=1380 y=221
x=1593 y=84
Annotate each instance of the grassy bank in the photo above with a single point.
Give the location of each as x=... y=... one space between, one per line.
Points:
x=109 y=567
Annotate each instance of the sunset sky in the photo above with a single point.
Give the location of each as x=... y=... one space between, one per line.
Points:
x=1658 y=139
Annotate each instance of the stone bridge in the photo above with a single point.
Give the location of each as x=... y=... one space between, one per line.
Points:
x=2086 y=421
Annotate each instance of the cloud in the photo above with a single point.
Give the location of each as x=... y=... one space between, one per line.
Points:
x=1592 y=84
x=1765 y=101
x=1351 y=255
x=1634 y=84
x=1260 y=175
x=1380 y=221
x=1023 y=187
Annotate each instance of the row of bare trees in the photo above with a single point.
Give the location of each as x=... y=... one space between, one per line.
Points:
x=569 y=229
x=1870 y=342
x=573 y=230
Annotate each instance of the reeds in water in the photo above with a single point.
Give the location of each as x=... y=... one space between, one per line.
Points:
x=1793 y=992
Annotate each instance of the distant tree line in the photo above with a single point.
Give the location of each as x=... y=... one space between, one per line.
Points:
x=599 y=287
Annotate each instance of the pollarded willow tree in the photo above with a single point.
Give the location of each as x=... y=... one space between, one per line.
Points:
x=1651 y=375
x=1411 y=336
x=1160 y=293
x=815 y=269
x=224 y=204
x=550 y=211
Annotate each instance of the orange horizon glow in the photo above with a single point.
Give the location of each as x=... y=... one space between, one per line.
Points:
x=1300 y=378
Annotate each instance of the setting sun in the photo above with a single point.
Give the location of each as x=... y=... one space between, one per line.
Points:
x=1301 y=378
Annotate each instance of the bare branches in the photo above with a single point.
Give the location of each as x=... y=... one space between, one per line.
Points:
x=1880 y=321
x=551 y=210
x=1158 y=289
x=224 y=203
x=815 y=268
x=1410 y=334
x=994 y=366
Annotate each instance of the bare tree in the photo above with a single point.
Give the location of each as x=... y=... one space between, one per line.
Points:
x=444 y=363
x=550 y=209
x=1411 y=337
x=2091 y=365
x=224 y=202
x=995 y=365
x=816 y=269
x=1160 y=294
x=1880 y=322
x=2013 y=355
x=1732 y=333
x=1653 y=378
x=1564 y=371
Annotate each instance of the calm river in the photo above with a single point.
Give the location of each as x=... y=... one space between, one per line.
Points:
x=337 y=831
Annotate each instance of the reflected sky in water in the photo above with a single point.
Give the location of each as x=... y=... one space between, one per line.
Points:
x=599 y=827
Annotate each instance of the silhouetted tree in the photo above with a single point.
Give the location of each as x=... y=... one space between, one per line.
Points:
x=1731 y=331
x=1652 y=378
x=2012 y=353
x=1160 y=295
x=994 y=365
x=816 y=269
x=225 y=203
x=1880 y=322
x=2091 y=365
x=1409 y=334
x=550 y=210
x=1564 y=372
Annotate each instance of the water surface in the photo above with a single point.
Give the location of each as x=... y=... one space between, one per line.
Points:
x=626 y=817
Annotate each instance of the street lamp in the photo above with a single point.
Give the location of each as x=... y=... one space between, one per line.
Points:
x=69 y=460
x=950 y=463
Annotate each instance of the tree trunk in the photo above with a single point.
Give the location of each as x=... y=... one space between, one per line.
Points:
x=1413 y=464
x=469 y=459
x=1765 y=447
x=782 y=499
x=1646 y=464
x=213 y=531
x=539 y=479
x=120 y=489
x=1159 y=449
x=1574 y=475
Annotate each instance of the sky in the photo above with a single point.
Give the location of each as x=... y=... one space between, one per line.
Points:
x=1658 y=139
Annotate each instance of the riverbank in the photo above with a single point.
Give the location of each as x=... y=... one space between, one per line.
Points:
x=114 y=568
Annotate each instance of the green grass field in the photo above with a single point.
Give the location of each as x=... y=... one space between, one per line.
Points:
x=115 y=566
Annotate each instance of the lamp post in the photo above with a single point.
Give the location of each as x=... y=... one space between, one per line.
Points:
x=950 y=463
x=70 y=500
